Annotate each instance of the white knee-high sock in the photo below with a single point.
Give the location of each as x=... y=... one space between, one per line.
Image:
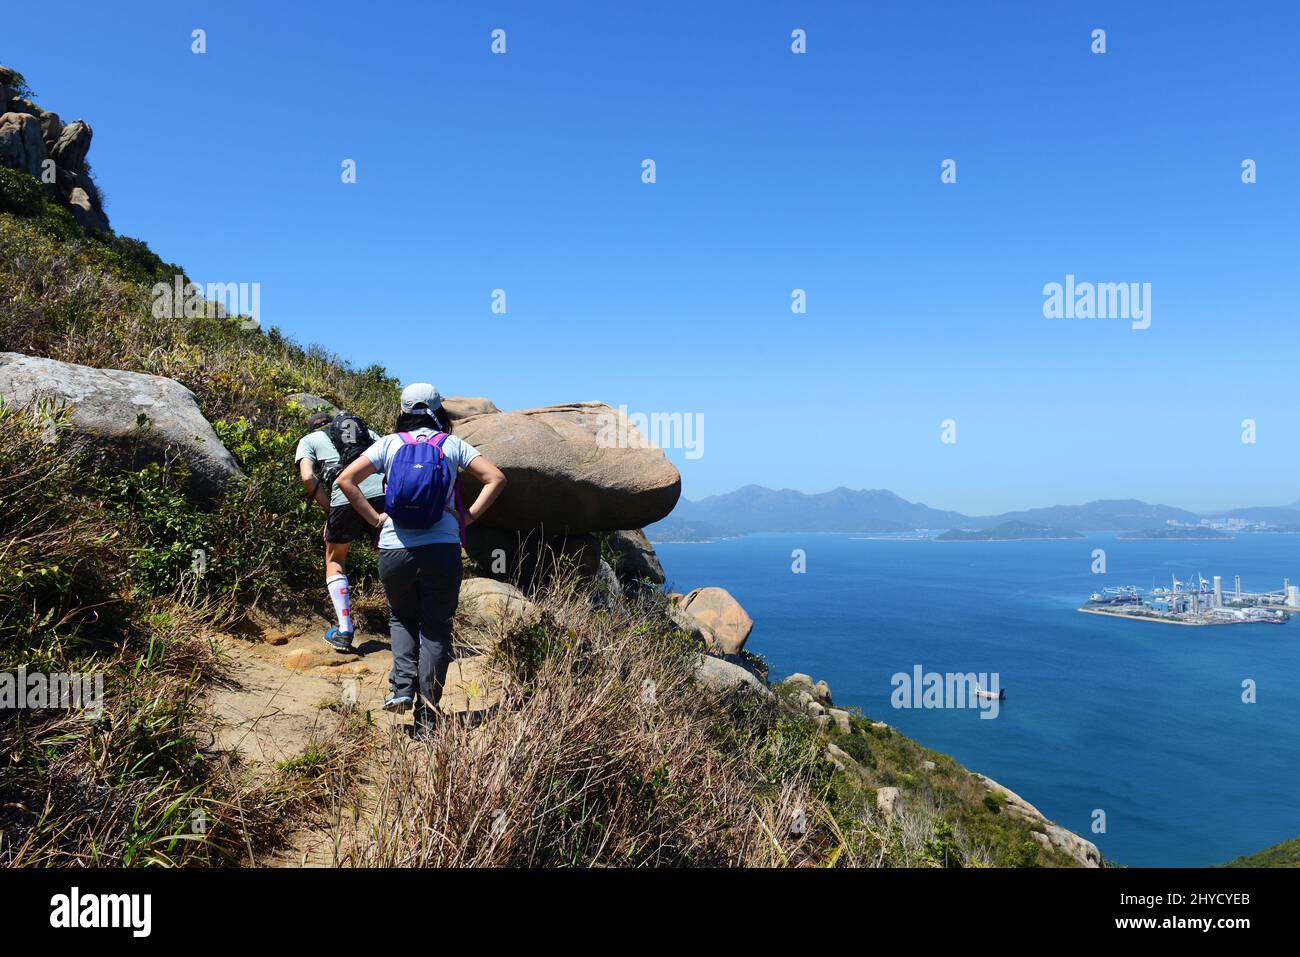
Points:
x=338 y=586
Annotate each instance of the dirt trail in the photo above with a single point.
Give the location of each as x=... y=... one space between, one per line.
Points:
x=282 y=686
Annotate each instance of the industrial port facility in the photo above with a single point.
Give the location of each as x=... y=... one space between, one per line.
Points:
x=1199 y=602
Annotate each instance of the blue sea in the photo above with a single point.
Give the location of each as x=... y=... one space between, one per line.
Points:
x=1143 y=721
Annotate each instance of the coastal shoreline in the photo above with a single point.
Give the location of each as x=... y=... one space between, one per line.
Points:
x=1162 y=621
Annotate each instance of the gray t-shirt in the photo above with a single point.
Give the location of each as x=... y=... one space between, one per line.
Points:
x=318 y=447
x=459 y=454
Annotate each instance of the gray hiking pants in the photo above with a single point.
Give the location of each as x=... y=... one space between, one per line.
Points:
x=423 y=589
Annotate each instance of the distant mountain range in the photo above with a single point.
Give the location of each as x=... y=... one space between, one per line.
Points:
x=758 y=509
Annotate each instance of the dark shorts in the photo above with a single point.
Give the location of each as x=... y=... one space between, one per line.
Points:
x=344 y=525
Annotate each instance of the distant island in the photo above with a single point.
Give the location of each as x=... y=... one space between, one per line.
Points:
x=675 y=530
x=1178 y=534
x=1006 y=532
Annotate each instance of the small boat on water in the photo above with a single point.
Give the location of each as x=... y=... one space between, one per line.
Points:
x=999 y=695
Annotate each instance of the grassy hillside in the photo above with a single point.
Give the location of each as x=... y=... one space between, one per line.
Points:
x=96 y=571
x=96 y=576
x=1286 y=854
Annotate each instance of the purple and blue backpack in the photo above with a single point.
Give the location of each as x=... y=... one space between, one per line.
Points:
x=421 y=481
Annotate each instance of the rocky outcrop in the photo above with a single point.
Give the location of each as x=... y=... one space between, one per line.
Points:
x=128 y=418
x=683 y=620
x=20 y=104
x=801 y=695
x=1049 y=835
x=887 y=801
x=633 y=557
x=723 y=675
x=85 y=209
x=29 y=136
x=21 y=146
x=841 y=719
x=487 y=609
x=572 y=468
x=51 y=128
x=724 y=622
x=71 y=146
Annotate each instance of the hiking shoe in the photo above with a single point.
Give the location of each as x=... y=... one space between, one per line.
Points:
x=398 y=703
x=339 y=640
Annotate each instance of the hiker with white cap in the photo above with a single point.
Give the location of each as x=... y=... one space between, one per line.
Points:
x=421 y=529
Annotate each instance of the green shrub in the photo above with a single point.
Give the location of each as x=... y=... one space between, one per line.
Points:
x=1028 y=854
x=57 y=546
x=858 y=748
x=20 y=193
x=941 y=846
x=16 y=82
x=262 y=540
x=528 y=645
x=792 y=749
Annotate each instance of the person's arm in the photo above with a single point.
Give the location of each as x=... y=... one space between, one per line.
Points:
x=307 y=473
x=356 y=473
x=494 y=482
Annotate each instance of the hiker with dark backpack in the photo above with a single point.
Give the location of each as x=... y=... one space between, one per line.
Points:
x=422 y=522
x=335 y=442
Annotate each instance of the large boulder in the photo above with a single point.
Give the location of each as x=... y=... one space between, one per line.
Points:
x=20 y=104
x=51 y=128
x=460 y=407
x=487 y=609
x=684 y=621
x=127 y=417
x=86 y=210
x=572 y=468
x=725 y=624
x=634 y=558
x=842 y=719
x=70 y=149
x=21 y=146
x=722 y=675
x=492 y=601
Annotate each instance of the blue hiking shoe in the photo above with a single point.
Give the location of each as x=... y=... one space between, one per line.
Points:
x=398 y=703
x=339 y=640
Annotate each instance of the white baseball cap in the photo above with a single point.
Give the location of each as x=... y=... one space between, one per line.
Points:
x=419 y=395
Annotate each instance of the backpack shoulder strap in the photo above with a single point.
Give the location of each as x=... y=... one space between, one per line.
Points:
x=330 y=431
x=407 y=438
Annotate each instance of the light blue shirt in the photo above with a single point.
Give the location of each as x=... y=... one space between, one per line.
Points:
x=447 y=529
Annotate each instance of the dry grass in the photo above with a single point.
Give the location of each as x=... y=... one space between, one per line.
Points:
x=603 y=752
x=145 y=785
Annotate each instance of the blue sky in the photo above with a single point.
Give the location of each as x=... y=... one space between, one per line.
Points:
x=775 y=171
